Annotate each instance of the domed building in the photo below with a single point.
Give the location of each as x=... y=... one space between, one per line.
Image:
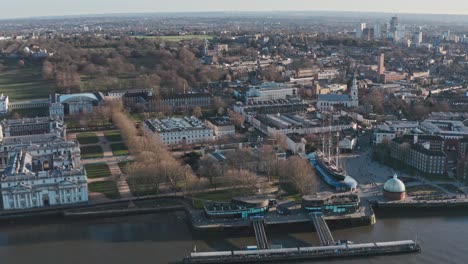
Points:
x=394 y=189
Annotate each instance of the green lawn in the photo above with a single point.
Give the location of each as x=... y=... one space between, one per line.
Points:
x=97 y=170
x=123 y=166
x=24 y=83
x=87 y=138
x=178 y=38
x=113 y=136
x=31 y=112
x=108 y=188
x=139 y=187
x=119 y=149
x=91 y=152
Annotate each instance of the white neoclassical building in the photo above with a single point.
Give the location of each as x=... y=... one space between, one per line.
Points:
x=4 y=103
x=173 y=131
x=44 y=175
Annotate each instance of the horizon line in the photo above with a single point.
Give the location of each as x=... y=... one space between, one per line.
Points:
x=224 y=11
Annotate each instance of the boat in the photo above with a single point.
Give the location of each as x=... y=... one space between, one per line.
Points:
x=335 y=178
x=329 y=170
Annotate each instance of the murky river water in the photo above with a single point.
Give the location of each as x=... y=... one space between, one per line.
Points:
x=166 y=238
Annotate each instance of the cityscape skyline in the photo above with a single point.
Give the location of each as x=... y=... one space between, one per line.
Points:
x=88 y=7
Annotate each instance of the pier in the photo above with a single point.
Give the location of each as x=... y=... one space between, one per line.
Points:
x=328 y=249
x=323 y=232
x=304 y=253
x=260 y=233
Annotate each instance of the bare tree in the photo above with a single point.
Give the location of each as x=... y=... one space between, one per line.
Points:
x=197 y=112
x=236 y=118
x=300 y=174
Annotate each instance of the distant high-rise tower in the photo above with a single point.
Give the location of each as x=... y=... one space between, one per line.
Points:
x=394 y=24
x=400 y=34
x=417 y=38
x=360 y=29
x=377 y=31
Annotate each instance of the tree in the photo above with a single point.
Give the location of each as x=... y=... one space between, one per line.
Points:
x=210 y=169
x=300 y=174
x=220 y=111
x=236 y=118
x=47 y=70
x=218 y=103
x=197 y=112
x=280 y=140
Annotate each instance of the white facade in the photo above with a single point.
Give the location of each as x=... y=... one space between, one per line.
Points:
x=221 y=127
x=44 y=175
x=4 y=104
x=270 y=91
x=296 y=145
x=29 y=191
x=347 y=143
x=174 y=131
x=390 y=130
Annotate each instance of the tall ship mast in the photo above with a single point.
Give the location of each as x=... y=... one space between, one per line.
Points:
x=328 y=168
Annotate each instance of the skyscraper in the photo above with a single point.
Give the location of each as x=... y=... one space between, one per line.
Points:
x=394 y=24
x=360 y=29
x=377 y=31
x=417 y=38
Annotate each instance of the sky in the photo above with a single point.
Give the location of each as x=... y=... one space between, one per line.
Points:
x=33 y=8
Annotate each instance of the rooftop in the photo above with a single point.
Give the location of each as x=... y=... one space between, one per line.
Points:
x=334 y=97
x=187 y=95
x=220 y=121
x=175 y=124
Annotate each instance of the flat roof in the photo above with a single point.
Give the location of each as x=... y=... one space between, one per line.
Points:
x=175 y=124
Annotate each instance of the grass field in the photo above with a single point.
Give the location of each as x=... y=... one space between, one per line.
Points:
x=91 y=152
x=87 y=138
x=113 y=136
x=108 y=188
x=178 y=38
x=31 y=112
x=24 y=83
x=97 y=170
x=140 y=189
x=119 y=149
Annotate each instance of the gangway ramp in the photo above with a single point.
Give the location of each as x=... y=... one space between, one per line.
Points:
x=323 y=232
x=260 y=233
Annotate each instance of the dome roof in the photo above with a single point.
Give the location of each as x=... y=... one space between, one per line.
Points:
x=394 y=185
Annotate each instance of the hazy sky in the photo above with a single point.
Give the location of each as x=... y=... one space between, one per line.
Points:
x=28 y=8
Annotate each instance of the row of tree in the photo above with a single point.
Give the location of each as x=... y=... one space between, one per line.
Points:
x=153 y=166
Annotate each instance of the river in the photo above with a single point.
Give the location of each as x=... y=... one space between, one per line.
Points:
x=166 y=238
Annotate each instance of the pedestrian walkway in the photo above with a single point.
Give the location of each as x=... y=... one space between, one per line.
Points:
x=106 y=149
x=112 y=161
x=121 y=179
